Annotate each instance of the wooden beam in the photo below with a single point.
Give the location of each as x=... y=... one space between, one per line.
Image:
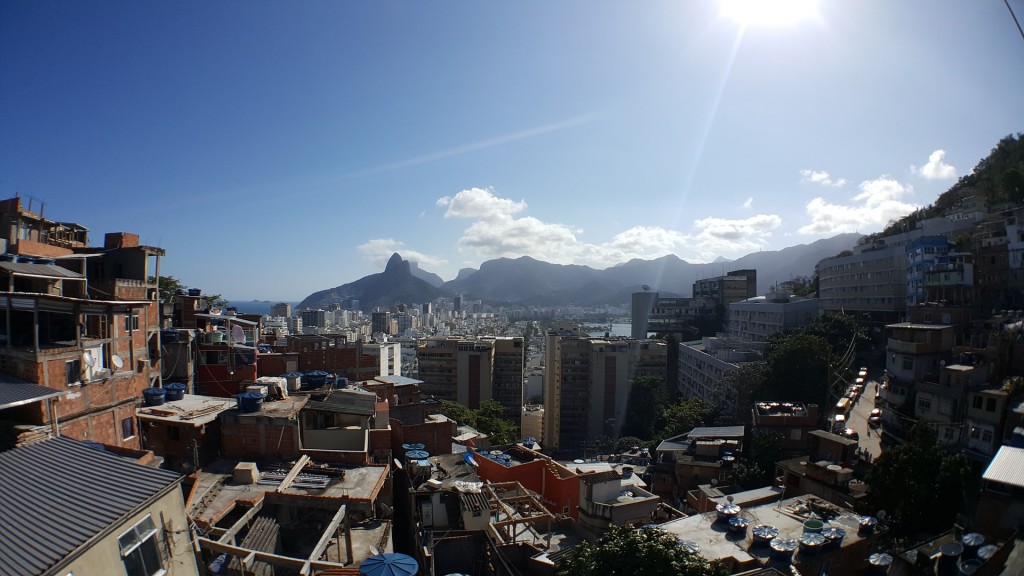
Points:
x=293 y=472
x=241 y=523
x=329 y=531
x=305 y=566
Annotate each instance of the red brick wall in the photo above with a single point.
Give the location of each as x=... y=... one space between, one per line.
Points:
x=33 y=248
x=435 y=436
x=120 y=240
x=252 y=438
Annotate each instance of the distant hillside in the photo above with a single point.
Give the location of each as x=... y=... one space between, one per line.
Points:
x=540 y=283
x=998 y=177
x=395 y=284
x=526 y=280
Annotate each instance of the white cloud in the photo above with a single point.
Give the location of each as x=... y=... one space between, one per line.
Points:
x=821 y=177
x=479 y=203
x=378 y=250
x=749 y=202
x=878 y=202
x=935 y=169
x=723 y=237
x=497 y=232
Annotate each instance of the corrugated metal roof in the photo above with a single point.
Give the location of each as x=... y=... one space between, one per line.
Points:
x=1007 y=467
x=346 y=402
x=40 y=270
x=717 y=432
x=398 y=380
x=59 y=493
x=15 y=392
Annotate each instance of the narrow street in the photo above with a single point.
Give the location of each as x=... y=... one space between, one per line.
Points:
x=858 y=420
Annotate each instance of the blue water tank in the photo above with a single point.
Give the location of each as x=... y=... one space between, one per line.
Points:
x=154 y=396
x=175 y=391
x=249 y=402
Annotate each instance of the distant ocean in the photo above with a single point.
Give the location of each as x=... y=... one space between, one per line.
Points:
x=260 y=307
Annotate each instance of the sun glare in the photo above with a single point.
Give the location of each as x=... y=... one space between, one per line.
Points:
x=768 y=12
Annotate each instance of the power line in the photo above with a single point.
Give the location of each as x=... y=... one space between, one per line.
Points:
x=1014 y=16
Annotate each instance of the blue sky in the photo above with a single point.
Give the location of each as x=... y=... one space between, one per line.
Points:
x=274 y=149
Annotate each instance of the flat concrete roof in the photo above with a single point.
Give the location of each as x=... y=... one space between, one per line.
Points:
x=216 y=484
x=717 y=543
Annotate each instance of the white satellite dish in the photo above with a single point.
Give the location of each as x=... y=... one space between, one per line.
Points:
x=88 y=359
x=237 y=333
x=117 y=361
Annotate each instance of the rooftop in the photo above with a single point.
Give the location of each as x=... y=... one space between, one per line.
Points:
x=716 y=542
x=1007 y=467
x=193 y=409
x=16 y=392
x=60 y=493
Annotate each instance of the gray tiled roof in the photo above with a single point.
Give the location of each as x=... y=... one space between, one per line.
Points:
x=59 y=493
x=717 y=432
x=43 y=270
x=15 y=392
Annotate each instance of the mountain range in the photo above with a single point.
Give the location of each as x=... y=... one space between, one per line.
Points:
x=528 y=281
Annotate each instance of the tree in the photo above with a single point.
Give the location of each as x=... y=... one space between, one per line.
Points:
x=168 y=286
x=920 y=485
x=646 y=398
x=685 y=415
x=626 y=551
x=799 y=367
x=488 y=419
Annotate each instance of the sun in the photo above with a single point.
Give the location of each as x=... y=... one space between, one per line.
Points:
x=768 y=12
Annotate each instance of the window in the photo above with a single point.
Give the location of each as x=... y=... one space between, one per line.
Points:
x=74 y=371
x=924 y=404
x=174 y=433
x=986 y=435
x=908 y=363
x=127 y=428
x=947 y=433
x=139 y=550
x=990 y=405
x=977 y=402
x=131 y=322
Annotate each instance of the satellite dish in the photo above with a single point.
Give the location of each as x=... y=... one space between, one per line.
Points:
x=117 y=361
x=88 y=359
x=237 y=333
x=646 y=287
x=729 y=498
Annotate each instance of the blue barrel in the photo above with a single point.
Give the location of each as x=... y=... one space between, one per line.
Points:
x=417 y=455
x=154 y=396
x=249 y=402
x=175 y=391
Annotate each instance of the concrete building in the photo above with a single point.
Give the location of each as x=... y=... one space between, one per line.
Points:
x=78 y=510
x=703 y=362
x=281 y=309
x=380 y=323
x=587 y=383
x=757 y=318
x=314 y=318
x=734 y=286
x=471 y=371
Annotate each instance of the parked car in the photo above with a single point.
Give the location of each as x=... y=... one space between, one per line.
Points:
x=851 y=434
x=875 y=419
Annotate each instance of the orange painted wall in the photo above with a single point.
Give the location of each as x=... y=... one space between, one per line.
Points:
x=557 y=494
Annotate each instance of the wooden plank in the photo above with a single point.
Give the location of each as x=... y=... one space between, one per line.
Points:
x=329 y=531
x=293 y=473
x=304 y=566
x=242 y=522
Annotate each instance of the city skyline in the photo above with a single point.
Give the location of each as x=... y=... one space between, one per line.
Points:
x=275 y=151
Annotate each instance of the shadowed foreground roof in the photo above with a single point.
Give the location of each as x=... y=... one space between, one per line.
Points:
x=60 y=493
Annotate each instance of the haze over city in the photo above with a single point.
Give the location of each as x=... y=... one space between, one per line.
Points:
x=274 y=150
